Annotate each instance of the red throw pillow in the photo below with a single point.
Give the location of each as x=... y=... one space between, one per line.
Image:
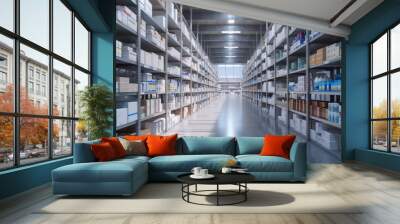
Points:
x=103 y=152
x=161 y=145
x=116 y=145
x=277 y=145
x=136 y=137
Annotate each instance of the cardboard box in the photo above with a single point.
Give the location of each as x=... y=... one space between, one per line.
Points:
x=122 y=116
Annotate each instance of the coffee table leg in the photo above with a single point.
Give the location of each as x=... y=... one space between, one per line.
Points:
x=245 y=193
x=217 y=194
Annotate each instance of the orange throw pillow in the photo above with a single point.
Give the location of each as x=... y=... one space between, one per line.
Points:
x=116 y=145
x=161 y=145
x=277 y=145
x=103 y=152
x=136 y=137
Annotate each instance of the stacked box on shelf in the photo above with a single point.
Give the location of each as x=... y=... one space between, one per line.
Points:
x=324 y=136
x=146 y=6
x=319 y=57
x=151 y=106
x=152 y=60
x=157 y=126
x=127 y=17
x=298 y=105
x=124 y=85
x=174 y=52
x=118 y=49
x=127 y=52
x=333 y=52
x=299 y=124
x=280 y=36
x=298 y=85
x=298 y=40
x=283 y=116
x=334 y=113
x=172 y=11
x=327 y=81
x=174 y=70
x=126 y=113
x=155 y=37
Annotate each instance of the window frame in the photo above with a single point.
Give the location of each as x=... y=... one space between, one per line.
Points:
x=16 y=114
x=388 y=74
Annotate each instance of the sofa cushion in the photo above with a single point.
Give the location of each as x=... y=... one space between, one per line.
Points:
x=197 y=145
x=83 y=152
x=103 y=152
x=185 y=163
x=277 y=145
x=116 y=145
x=257 y=163
x=161 y=145
x=113 y=171
x=249 y=145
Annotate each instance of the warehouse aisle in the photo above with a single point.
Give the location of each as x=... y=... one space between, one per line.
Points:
x=230 y=115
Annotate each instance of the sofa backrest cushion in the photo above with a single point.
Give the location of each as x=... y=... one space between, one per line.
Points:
x=196 y=145
x=249 y=145
x=83 y=152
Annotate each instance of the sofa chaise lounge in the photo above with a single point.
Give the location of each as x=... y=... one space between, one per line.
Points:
x=125 y=176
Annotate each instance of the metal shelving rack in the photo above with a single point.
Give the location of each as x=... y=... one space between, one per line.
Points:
x=255 y=75
x=136 y=68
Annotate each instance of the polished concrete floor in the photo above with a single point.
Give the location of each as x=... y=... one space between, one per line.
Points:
x=231 y=115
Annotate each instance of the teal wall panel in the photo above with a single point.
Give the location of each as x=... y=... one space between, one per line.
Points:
x=24 y=178
x=356 y=99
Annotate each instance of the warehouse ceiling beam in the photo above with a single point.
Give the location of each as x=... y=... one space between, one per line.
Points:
x=270 y=15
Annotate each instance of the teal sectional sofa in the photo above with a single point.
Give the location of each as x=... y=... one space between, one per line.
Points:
x=125 y=176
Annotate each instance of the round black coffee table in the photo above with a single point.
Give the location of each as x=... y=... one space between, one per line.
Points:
x=238 y=179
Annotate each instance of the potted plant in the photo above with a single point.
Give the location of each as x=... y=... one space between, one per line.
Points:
x=96 y=102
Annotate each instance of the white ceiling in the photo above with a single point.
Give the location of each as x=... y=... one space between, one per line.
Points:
x=320 y=9
x=315 y=15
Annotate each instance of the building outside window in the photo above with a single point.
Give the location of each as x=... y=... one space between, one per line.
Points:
x=385 y=94
x=54 y=130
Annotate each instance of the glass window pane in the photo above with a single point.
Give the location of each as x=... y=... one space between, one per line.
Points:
x=62 y=138
x=33 y=139
x=395 y=47
x=35 y=21
x=81 y=45
x=62 y=89
x=7 y=14
x=62 y=29
x=379 y=98
x=81 y=82
x=81 y=131
x=395 y=94
x=34 y=96
x=6 y=142
x=379 y=55
x=379 y=135
x=6 y=74
x=395 y=136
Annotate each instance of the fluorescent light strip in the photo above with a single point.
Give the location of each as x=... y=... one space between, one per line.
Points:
x=231 y=31
x=231 y=47
x=230 y=56
x=231 y=21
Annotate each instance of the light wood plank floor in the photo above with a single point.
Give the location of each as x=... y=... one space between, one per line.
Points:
x=378 y=189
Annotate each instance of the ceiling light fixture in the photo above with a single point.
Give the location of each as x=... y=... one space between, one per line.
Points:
x=231 y=47
x=231 y=31
x=231 y=21
x=230 y=56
